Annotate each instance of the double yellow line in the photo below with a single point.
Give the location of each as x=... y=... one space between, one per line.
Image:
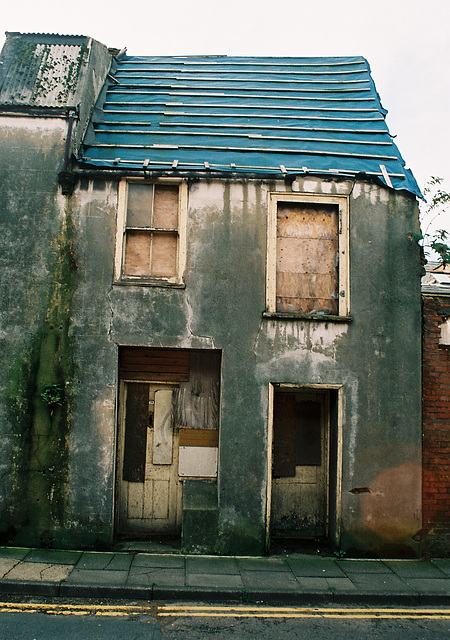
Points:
x=226 y=611
x=74 y=609
x=299 y=612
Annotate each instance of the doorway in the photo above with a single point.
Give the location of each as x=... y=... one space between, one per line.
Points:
x=148 y=486
x=304 y=464
x=167 y=431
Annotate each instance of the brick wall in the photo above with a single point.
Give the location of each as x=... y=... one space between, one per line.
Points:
x=436 y=427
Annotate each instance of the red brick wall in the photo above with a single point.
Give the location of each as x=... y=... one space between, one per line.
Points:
x=436 y=427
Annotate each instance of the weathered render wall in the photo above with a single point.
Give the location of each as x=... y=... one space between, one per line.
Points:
x=221 y=307
x=43 y=79
x=436 y=420
x=63 y=320
x=37 y=284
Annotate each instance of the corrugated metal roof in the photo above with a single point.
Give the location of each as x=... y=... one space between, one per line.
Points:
x=41 y=70
x=245 y=115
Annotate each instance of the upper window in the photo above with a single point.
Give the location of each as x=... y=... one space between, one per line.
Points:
x=150 y=243
x=307 y=266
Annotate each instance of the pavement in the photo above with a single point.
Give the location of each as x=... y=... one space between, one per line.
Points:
x=293 y=578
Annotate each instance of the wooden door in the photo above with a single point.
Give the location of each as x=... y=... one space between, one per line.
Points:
x=299 y=506
x=148 y=488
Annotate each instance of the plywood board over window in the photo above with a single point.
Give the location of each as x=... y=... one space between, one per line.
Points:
x=151 y=236
x=307 y=255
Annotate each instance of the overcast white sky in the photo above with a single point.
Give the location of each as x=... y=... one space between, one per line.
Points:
x=407 y=43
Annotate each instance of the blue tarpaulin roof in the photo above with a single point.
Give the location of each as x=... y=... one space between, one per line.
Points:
x=245 y=116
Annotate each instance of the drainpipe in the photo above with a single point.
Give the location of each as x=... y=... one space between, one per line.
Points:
x=65 y=177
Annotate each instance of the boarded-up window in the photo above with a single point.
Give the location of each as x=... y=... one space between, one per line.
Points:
x=151 y=231
x=307 y=274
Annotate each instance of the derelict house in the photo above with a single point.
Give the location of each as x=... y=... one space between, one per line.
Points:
x=210 y=306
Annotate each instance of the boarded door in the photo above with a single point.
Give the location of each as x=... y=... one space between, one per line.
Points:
x=148 y=487
x=300 y=464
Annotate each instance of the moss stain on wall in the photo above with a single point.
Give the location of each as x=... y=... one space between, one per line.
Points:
x=41 y=429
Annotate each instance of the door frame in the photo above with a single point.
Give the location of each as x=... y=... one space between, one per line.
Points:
x=334 y=507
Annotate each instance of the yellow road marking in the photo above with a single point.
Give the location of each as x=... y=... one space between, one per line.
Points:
x=300 y=612
x=169 y=607
x=237 y=611
x=89 y=607
x=73 y=609
x=342 y=616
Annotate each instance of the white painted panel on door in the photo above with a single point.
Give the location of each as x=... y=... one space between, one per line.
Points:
x=198 y=462
x=135 y=491
x=160 y=499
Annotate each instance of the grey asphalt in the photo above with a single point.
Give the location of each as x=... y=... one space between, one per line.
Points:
x=293 y=578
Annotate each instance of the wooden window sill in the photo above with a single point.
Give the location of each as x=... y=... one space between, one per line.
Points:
x=145 y=282
x=317 y=317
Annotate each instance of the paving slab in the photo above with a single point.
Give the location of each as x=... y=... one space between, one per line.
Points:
x=156 y=577
x=216 y=581
x=105 y=561
x=430 y=585
x=14 y=552
x=151 y=560
x=314 y=585
x=362 y=566
x=39 y=572
x=381 y=584
x=273 y=580
x=321 y=568
x=6 y=564
x=94 y=576
x=53 y=556
x=443 y=564
x=340 y=585
x=414 y=569
x=211 y=565
x=261 y=564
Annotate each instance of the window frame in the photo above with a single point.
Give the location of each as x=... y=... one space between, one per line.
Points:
x=121 y=229
x=342 y=202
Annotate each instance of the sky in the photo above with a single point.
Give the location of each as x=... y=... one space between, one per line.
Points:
x=406 y=42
